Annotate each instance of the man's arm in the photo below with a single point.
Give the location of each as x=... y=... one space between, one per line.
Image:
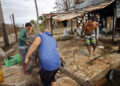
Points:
x=33 y=48
x=83 y=29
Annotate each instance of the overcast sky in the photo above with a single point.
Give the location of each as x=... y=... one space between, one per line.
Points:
x=24 y=10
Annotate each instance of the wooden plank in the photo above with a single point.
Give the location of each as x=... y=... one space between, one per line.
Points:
x=80 y=81
x=15 y=29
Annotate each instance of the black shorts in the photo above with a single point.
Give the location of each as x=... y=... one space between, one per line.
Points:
x=48 y=76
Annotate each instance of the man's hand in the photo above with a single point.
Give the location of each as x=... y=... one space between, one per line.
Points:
x=27 y=43
x=26 y=60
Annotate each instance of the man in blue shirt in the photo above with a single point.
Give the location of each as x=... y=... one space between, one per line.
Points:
x=48 y=55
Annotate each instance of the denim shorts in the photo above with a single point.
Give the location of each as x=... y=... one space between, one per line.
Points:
x=23 y=50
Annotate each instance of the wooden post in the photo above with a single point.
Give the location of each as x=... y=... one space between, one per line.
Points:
x=51 y=25
x=113 y=33
x=37 y=29
x=118 y=48
x=71 y=26
x=5 y=36
x=114 y=23
x=77 y=24
x=15 y=29
x=1 y=14
x=11 y=21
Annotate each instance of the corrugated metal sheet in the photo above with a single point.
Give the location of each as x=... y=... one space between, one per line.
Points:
x=98 y=7
x=67 y=16
x=84 y=10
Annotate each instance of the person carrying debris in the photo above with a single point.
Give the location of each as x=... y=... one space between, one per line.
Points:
x=89 y=29
x=23 y=41
x=48 y=55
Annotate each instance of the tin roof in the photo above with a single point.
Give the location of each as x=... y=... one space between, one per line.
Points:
x=81 y=12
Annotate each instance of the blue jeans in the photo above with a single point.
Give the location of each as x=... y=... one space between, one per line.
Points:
x=23 y=50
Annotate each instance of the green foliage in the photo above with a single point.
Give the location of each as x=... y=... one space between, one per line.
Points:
x=33 y=22
x=41 y=25
x=41 y=18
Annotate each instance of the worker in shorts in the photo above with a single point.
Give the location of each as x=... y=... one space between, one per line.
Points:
x=89 y=30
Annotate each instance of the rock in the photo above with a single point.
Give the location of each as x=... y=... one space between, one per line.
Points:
x=2 y=53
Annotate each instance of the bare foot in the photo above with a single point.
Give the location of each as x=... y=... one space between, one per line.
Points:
x=89 y=57
x=94 y=53
x=92 y=57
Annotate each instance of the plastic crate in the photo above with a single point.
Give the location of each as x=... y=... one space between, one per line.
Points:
x=15 y=60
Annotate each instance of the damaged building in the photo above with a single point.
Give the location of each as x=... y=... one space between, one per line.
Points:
x=79 y=10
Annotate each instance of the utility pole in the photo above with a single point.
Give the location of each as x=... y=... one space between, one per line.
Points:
x=37 y=29
x=51 y=24
x=5 y=36
x=11 y=20
x=15 y=29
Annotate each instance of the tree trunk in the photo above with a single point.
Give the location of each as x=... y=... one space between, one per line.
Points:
x=51 y=26
x=5 y=36
x=15 y=29
x=37 y=29
x=119 y=48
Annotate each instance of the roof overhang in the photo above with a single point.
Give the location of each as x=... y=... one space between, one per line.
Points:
x=83 y=11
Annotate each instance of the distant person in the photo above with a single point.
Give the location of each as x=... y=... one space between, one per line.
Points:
x=48 y=55
x=23 y=41
x=89 y=30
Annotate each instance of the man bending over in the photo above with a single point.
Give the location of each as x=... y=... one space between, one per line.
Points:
x=48 y=55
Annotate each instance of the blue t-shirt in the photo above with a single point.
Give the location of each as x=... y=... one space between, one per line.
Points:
x=48 y=54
